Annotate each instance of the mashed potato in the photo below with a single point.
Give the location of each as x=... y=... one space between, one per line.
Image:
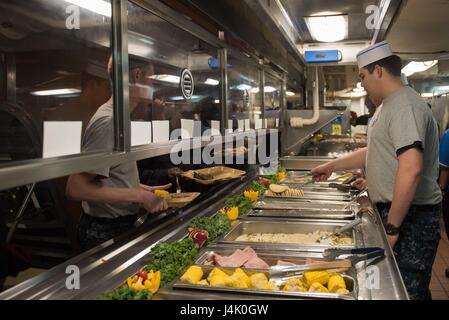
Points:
x=298 y=238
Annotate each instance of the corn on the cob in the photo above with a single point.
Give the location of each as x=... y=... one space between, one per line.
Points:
x=322 y=277
x=318 y=287
x=295 y=285
x=203 y=283
x=336 y=282
x=192 y=275
x=342 y=291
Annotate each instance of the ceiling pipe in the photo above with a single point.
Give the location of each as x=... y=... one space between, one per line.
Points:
x=298 y=122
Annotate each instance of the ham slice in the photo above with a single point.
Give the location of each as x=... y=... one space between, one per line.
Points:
x=256 y=263
x=238 y=259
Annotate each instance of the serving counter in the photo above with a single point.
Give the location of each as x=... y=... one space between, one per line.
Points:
x=106 y=267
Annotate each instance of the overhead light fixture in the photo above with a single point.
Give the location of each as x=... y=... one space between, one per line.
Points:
x=180 y=98
x=414 y=67
x=290 y=94
x=269 y=89
x=217 y=101
x=328 y=26
x=442 y=88
x=255 y=90
x=243 y=87
x=427 y=95
x=98 y=6
x=166 y=78
x=56 y=92
x=212 y=82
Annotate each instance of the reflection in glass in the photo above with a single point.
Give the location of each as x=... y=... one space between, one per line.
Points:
x=272 y=99
x=57 y=70
x=159 y=52
x=243 y=88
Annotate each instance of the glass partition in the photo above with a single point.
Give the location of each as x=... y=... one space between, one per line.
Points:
x=53 y=57
x=160 y=87
x=272 y=99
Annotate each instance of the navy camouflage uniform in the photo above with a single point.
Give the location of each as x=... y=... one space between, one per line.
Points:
x=416 y=248
x=95 y=231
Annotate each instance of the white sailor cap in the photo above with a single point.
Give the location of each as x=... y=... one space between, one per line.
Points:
x=374 y=53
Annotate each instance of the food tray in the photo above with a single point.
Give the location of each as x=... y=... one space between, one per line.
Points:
x=250 y=226
x=350 y=284
x=180 y=200
x=219 y=173
x=303 y=213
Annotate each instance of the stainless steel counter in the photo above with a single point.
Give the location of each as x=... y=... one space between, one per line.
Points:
x=106 y=267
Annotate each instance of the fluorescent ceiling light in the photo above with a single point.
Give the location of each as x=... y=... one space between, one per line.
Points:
x=243 y=87
x=427 y=95
x=55 y=92
x=166 y=78
x=254 y=90
x=269 y=89
x=217 y=101
x=98 y=6
x=414 y=67
x=212 y=82
x=442 y=88
x=180 y=98
x=328 y=26
x=290 y=94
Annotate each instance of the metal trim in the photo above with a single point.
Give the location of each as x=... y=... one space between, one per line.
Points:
x=122 y=122
x=262 y=94
x=11 y=78
x=223 y=58
x=29 y=171
x=175 y=18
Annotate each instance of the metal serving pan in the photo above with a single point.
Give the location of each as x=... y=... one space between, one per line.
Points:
x=303 y=213
x=306 y=204
x=350 y=284
x=315 y=196
x=249 y=226
x=271 y=257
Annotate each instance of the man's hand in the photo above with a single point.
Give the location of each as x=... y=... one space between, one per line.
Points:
x=323 y=172
x=360 y=183
x=150 y=202
x=174 y=172
x=392 y=240
x=152 y=188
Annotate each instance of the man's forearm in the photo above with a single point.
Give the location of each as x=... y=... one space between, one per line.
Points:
x=356 y=160
x=82 y=189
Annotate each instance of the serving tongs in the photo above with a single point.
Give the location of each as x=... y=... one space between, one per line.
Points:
x=354 y=255
x=343 y=229
x=281 y=274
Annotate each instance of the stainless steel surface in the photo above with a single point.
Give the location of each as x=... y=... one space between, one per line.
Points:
x=318 y=205
x=350 y=282
x=314 y=196
x=25 y=172
x=343 y=229
x=267 y=225
x=303 y=214
x=120 y=85
x=105 y=267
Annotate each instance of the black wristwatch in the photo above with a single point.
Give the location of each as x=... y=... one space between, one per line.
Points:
x=391 y=229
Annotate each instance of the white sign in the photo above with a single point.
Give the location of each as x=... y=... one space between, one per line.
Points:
x=140 y=133
x=61 y=138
